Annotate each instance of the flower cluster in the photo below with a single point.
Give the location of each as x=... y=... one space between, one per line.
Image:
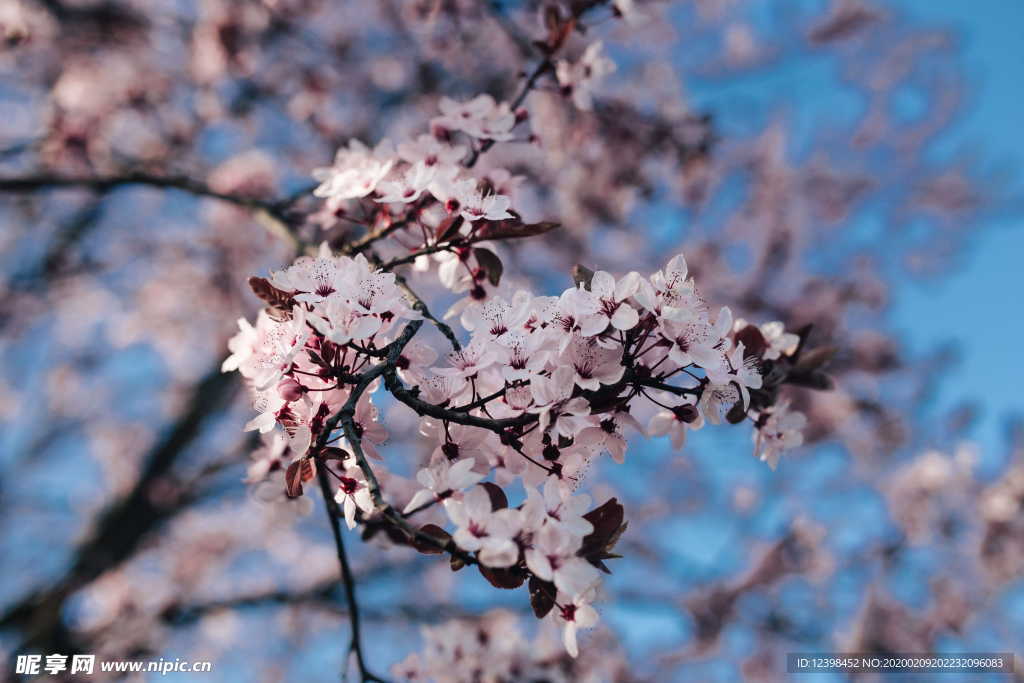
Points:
x=541 y=387
x=429 y=164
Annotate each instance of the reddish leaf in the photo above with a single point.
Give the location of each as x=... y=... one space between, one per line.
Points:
x=491 y=264
x=542 y=596
x=816 y=358
x=435 y=532
x=581 y=275
x=274 y=297
x=293 y=480
x=608 y=526
x=503 y=578
x=448 y=228
x=754 y=343
x=736 y=414
x=512 y=229
x=498 y=498
x=816 y=379
x=335 y=453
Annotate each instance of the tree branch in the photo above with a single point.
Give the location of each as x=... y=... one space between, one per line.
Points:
x=334 y=517
x=270 y=214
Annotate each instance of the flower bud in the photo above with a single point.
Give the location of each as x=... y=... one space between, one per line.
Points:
x=290 y=390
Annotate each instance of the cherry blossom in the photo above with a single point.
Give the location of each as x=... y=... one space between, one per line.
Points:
x=592 y=364
x=480 y=117
x=353 y=494
x=463 y=196
x=555 y=507
x=356 y=171
x=553 y=558
x=443 y=480
x=779 y=429
x=408 y=186
x=612 y=296
x=490 y=534
x=676 y=421
x=697 y=341
x=431 y=152
x=575 y=613
x=579 y=78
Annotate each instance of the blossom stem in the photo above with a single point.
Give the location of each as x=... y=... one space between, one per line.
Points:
x=334 y=517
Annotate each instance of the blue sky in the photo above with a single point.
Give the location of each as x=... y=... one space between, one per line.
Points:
x=977 y=306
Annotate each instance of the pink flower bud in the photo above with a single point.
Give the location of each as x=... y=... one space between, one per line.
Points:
x=290 y=390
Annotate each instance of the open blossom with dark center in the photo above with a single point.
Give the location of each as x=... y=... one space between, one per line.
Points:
x=575 y=313
x=779 y=429
x=553 y=558
x=465 y=197
x=353 y=493
x=479 y=529
x=676 y=421
x=263 y=353
x=574 y=612
x=669 y=293
x=480 y=117
x=456 y=442
x=442 y=481
x=579 y=78
x=609 y=434
x=356 y=171
x=554 y=506
x=431 y=152
x=611 y=295
x=592 y=364
x=470 y=361
x=498 y=318
x=698 y=341
x=406 y=186
x=743 y=372
x=313 y=278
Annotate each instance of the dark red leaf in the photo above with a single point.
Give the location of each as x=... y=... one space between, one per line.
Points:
x=435 y=532
x=293 y=480
x=542 y=596
x=815 y=359
x=736 y=414
x=608 y=526
x=274 y=297
x=448 y=228
x=754 y=343
x=816 y=379
x=512 y=229
x=498 y=498
x=581 y=275
x=503 y=578
x=491 y=264
x=335 y=453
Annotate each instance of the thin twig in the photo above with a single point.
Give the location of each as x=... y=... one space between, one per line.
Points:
x=334 y=517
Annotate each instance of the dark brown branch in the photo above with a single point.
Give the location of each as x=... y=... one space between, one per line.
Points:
x=271 y=214
x=334 y=517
